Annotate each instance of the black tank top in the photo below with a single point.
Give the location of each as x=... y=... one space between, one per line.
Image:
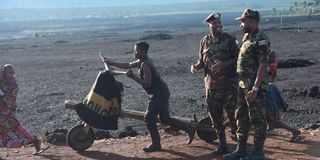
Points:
x=156 y=81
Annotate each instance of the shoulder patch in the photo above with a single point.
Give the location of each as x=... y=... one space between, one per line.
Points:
x=262 y=42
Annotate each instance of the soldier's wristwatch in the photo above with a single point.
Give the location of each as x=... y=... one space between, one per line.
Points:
x=254 y=88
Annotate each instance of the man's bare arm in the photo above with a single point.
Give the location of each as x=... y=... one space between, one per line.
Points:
x=146 y=82
x=117 y=72
x=120 y=65
x=123 y=65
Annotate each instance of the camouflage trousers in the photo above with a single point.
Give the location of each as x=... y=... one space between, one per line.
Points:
x=221 y=97
x=249 y=113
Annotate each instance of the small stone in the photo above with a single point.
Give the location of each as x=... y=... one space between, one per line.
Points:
x=102 y=135
x=56 y=136
x=128 y=132
x=312 y=126
x=314 y=92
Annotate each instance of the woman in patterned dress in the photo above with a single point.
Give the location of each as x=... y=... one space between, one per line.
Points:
x=12 y=134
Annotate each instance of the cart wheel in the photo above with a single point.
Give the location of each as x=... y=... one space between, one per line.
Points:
x=78 y=140
x=207 y=136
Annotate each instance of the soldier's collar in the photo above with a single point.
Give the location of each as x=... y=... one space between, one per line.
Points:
x=254 y=32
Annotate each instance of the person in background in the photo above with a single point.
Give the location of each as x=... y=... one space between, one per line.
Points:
x=276 y=105
x=12 y=134
x=157 y=91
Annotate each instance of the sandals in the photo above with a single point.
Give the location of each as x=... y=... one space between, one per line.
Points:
x=297 y=139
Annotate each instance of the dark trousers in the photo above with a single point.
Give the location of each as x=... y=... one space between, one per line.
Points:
x=159 y=105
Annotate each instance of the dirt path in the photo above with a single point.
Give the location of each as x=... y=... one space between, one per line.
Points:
x=174 y=147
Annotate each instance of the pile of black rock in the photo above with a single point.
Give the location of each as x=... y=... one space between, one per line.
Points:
x=294 y=63
x=311 y=92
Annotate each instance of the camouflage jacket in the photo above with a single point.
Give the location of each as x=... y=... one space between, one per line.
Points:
x=254 y=50
x=223 y=49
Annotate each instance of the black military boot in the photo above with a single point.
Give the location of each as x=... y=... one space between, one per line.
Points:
x=222 y=148
x=258 y=153
x=240 y=152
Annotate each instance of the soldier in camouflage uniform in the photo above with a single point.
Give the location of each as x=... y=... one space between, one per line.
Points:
x=217 y=56
x=253 y=84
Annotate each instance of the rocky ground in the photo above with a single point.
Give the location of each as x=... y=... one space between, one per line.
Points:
x=173 y=147
x=52 y=69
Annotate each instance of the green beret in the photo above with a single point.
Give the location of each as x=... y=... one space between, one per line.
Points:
x=249 y=13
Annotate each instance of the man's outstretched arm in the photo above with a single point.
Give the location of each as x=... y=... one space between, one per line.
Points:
x=120 y=65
